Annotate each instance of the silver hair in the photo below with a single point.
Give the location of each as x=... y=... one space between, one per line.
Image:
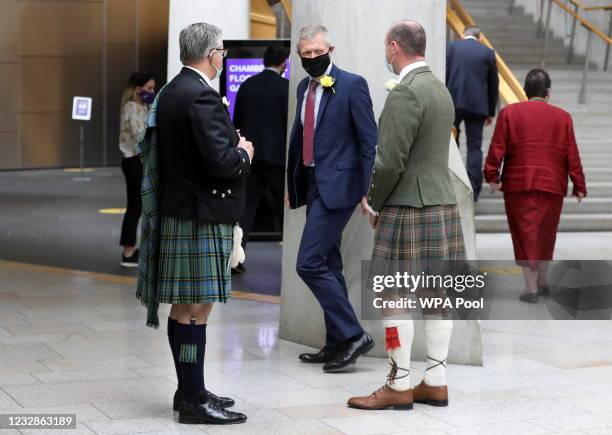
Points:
x=472 y=31
x=197 y=40
x=310 y=31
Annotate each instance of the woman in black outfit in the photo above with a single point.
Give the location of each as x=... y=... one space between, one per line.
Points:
x=135 y=103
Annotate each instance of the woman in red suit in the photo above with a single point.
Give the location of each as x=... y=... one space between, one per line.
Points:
x=535 y=145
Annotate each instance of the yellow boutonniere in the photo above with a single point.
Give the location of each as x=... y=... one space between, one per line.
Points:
x=328 y=82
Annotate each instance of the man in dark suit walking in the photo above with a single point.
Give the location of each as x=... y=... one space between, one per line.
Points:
x=471 y=77
x=261 y=115
x=331 y=154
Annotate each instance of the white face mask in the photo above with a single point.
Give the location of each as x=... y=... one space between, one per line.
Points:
x=218 y=71
x=389 y=65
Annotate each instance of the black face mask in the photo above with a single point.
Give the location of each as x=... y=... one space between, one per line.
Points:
x=316 y=66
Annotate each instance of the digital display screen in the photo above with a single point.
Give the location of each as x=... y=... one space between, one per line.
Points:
x=237 y=70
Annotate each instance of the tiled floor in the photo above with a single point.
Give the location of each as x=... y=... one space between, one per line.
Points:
x=76 y=343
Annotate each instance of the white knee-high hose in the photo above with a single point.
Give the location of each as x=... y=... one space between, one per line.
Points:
x=400 y=334
x=437 y=339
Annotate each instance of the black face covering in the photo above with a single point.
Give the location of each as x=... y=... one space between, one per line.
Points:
x=316 y=66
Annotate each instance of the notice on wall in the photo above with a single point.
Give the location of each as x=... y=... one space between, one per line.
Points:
x=239 y=70
x=81 y=108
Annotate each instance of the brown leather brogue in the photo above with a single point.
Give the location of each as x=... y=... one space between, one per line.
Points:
x=434 y=396
x=383 y=398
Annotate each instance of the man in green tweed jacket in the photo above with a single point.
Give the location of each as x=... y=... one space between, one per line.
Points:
x=412 y=206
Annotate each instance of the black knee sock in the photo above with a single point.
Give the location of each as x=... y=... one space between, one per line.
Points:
x=190 y=342
x=175 y=353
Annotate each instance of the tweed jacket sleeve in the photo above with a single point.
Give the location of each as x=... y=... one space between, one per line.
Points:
x=399 y=125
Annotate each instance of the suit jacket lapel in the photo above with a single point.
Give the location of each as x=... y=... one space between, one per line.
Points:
x=327 y=93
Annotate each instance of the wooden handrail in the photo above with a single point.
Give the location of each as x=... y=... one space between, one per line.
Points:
x=585 y=23
x=510 y=89
x=287 y=6
x=263 y=19
x=599 y=8
x=578 y=4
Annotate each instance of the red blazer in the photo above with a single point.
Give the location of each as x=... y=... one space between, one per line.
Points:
x=536 y=143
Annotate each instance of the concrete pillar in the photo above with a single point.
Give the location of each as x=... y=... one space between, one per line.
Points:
x=358 y=33
x=231 y=16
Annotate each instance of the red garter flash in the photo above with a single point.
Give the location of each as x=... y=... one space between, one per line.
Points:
x=393 y=341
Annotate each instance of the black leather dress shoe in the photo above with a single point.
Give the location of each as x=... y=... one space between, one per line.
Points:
x=221 y=402
x=349 y=353
x=328 y=353
x=530 y=298
x=207 y=412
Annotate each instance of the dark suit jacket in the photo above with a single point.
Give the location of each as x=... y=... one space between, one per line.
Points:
x=536 y=143
x=471 y=77
x=203 y=173
x=261 y=115
x=344 y=143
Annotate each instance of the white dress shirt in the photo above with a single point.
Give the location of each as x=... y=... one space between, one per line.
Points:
x=319 y=95
x=411 y=67
x=204 y=76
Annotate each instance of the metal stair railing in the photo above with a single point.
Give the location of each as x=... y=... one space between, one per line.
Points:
x=586 y=24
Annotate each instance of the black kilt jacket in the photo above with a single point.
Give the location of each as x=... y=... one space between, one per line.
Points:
x=202 y=172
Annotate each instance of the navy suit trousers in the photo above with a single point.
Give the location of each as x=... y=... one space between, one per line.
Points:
x=474 y=124
x=319 y=264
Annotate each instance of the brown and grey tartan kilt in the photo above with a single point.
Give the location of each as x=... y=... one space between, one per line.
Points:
x=431 y=233
x=419 y=240
x=194 y=261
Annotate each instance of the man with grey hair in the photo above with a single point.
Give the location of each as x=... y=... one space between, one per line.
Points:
x=413 y=209
x=471 y=78
x=203 y=166
x=331 y=153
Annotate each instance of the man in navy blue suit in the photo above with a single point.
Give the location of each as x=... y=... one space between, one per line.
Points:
x=331 y=154
x=471 y=78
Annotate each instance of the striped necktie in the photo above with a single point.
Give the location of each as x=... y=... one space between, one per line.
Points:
x=309 y=124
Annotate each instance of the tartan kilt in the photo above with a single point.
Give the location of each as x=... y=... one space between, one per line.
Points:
x=431 y=233
x=194 y=261
x=417 y=240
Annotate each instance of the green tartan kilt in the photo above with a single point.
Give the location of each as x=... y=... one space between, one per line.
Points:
x=194 y=261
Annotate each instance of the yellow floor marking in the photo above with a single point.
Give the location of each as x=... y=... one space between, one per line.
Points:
x=72 y=170
x=112 y=211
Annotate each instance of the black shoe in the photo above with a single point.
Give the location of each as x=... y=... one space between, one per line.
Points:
x=327 y=354
x=207 y=412
x=238 y=270
x=530 y=298
x=350 y=352
x=221 y=402
x=131 y=261
x=543 y=290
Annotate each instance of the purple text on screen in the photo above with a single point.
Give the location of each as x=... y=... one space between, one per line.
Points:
x=237 y=71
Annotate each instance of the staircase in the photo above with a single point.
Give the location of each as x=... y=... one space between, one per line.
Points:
x=514 y=36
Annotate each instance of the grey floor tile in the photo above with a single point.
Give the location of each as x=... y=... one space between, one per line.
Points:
x=381 y=422
x=292 y=427
x=100 y=374
x=72 y=393
x=89 y=363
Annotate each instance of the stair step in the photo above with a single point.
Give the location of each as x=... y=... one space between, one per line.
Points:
x=487 y=206
x=597 y=189
x=515 y=37
x=569 y=222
